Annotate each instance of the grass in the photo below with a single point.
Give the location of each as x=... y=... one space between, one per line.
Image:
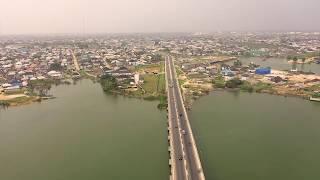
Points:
x=19 y=91
x=154 y=84
x=179 y=71
x=260 y=86
x=197 y=76
x=19 y=100
x=148 y=68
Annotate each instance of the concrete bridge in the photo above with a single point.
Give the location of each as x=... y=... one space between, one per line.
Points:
x=184 y=159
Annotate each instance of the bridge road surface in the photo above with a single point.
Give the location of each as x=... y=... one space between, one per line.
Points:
x=177 y=165
x=191 y=157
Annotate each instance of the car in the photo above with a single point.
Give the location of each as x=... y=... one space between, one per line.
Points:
x=183 y=132
x=180 y=114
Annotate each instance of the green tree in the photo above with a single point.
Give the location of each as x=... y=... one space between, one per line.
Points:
x=40 y=87
x=108 y=83
x=237 y=63
x=156 y=57
x=233 y=83
x=55 y=67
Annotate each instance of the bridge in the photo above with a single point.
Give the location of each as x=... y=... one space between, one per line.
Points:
x=184 y=160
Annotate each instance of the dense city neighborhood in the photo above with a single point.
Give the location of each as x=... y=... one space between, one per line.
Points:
x=205 y=61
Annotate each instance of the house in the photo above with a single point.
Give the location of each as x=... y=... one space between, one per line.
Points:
x=122 y=71
x=227 y=72
x=54 y=74
x=137 y=78
x=263 y=71
x=107 y=70
x=11 y=89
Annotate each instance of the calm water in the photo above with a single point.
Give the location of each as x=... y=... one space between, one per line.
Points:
x=84 y=134
x=281 y=64
x=257 y=137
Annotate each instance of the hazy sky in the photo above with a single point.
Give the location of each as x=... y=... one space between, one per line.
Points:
x=110 y=16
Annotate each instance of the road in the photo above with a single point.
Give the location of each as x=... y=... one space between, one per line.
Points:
x=179 y=171
x=189 y=167
x=75 y=61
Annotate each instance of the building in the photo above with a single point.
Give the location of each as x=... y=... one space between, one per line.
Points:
x=263 y=71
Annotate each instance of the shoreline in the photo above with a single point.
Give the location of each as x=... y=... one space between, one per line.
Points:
x=193 y=99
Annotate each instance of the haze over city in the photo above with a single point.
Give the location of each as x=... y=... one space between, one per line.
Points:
x=127 y=16
x=159 y=89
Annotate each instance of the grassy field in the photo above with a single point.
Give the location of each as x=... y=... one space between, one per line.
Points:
x=154 y=84
x=154 y=81
x=149 y=68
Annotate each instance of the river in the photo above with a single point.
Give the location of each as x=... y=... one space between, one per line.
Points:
x=84 y=134
x=244 y=136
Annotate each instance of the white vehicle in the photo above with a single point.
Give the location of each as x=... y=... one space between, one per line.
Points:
x=183 y=132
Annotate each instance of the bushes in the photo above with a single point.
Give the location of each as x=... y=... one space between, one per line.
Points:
x=4 y=104
x=243 y=85
x=316 y=95
x=163 y=102
x=246 y=86
x=219 y=82
x=41 y=87
x=234 y=83
x=260 y=86
x=108 y=83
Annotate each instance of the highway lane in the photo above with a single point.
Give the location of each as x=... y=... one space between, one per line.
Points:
x=179 y=165
x=191 y=157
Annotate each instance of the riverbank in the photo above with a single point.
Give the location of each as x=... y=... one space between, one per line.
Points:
x=17 y=100
x=290 y=85
x=36 y=91
x=150 y=86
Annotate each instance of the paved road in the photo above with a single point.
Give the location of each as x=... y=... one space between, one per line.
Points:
x=183 y=132
x=178 y=164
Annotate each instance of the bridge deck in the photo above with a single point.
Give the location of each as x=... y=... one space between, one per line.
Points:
x=186 y=162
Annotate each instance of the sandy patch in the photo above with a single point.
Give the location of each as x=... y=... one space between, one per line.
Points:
x=9 y=97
